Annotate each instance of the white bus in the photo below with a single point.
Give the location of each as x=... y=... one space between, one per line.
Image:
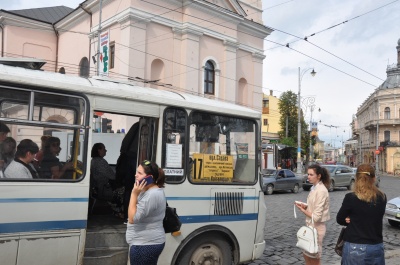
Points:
x=210 y=151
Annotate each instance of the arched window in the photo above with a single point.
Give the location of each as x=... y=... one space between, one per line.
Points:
x=387 y=113
x=62 y=70
x=242 y=92
x=157 y=71
x=209 y=78
x=84 y=67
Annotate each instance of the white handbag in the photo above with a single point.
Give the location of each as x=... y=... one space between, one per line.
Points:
x=307 y=238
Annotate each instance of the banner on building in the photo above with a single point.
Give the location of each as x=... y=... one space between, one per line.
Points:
x=104 y=53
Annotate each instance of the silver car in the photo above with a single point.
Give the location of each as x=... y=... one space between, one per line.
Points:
x=392 y=212
x=341 y=176
x=281 y=179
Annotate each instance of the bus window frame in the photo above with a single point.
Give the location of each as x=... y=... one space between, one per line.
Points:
x=85 y=126
x=185 y=153
x=257 y=135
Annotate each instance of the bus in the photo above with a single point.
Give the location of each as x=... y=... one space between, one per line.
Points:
x=209 y=149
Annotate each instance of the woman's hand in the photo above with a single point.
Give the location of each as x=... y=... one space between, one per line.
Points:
x=138 y=187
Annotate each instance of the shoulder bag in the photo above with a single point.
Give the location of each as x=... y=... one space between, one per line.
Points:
x=340 y=242
x=307 y=238
x=171 y=221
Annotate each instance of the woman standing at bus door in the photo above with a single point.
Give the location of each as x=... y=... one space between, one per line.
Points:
x=362 y=212
x=145 y=232
x=103 y=179
x=50 y=167
x=317 y=208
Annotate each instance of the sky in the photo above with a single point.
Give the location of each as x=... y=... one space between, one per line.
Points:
x=350 y=59
x=367 y=41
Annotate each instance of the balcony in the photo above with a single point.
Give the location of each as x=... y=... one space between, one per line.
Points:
x=371 y=125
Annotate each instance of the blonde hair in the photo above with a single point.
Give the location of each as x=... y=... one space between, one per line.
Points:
x=364 y=187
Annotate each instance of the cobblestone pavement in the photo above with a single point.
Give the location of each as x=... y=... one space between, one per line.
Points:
x=281 y=227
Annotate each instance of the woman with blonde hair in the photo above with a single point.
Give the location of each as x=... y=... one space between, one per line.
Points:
x=362 y=212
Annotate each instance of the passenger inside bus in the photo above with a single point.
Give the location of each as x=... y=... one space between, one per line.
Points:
x=39 y=155
x=51 y=167
x=21 y=167
x=4 y=130
x=7 y=150
x=103 y=184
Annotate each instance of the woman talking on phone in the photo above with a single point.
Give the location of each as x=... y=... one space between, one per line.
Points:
x=145 y=232
x=317 y=208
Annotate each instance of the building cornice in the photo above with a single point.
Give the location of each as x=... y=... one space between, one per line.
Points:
x=8 y=19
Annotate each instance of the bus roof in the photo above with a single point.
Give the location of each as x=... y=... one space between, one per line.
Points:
x=119 y=89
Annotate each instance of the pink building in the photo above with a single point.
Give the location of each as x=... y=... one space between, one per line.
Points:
x=212 y=48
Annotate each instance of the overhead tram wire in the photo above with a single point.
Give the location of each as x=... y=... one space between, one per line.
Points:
x=328 y=28
x=306 y=39
x=330 y=66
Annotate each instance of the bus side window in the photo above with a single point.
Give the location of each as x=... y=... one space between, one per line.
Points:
x=33 y=114
x=173 y=149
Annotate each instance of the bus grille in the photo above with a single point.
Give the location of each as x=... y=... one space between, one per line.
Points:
x=228 y=203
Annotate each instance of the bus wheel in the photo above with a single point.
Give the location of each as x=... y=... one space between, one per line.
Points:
x=207 y=249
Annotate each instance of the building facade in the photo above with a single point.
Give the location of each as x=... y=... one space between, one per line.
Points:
x=210 y=48
x=270 y=119
x=378 y=120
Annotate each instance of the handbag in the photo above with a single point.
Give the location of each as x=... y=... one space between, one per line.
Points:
x=171 y=221
x=340 y=242
x=307 y=238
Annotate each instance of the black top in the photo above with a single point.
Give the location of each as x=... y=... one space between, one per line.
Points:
x=365 y=225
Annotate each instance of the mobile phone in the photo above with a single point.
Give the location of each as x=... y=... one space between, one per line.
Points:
x=149 y=179
x=303 y=203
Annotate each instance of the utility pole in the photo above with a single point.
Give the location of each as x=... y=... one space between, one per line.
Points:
x=99 y=39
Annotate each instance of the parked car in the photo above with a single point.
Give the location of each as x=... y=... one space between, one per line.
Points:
x=392 y=212
x=377 y=177
x=341 y=176
x=281 y=179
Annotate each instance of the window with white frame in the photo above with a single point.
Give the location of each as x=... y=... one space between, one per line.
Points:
x=209 y=78
x=387 y=113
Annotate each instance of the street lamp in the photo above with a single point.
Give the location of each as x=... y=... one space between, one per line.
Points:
x=299 y=163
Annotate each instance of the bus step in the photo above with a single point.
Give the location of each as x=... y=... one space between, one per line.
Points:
x=105 y=238
x=106 y=256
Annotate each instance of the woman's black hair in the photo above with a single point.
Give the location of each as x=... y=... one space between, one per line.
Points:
x=51 y=140
x=95 y=149
x=151 y=168
x=325 y=177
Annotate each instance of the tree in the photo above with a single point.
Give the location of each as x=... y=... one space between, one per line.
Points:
x=288 y=110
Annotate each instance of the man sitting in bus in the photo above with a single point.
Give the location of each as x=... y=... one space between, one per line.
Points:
x=21 y=167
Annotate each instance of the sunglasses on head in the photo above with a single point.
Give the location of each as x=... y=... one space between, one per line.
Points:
x=368 y=173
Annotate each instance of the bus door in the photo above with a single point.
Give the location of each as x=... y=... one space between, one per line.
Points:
x=147 y=139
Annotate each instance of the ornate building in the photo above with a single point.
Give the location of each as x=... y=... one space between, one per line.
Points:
x=378 y=120
x=209 y=48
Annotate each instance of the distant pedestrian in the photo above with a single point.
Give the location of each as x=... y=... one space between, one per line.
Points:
x=362 y=212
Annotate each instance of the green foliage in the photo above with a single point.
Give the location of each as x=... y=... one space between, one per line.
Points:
x=288 y=109
x=289 y=141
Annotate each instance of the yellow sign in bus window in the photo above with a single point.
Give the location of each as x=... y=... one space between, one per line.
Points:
x=214 y=168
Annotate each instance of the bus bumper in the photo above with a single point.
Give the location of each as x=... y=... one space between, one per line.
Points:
x=258 y=250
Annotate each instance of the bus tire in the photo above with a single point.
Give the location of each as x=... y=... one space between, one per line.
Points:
x=206 y=249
